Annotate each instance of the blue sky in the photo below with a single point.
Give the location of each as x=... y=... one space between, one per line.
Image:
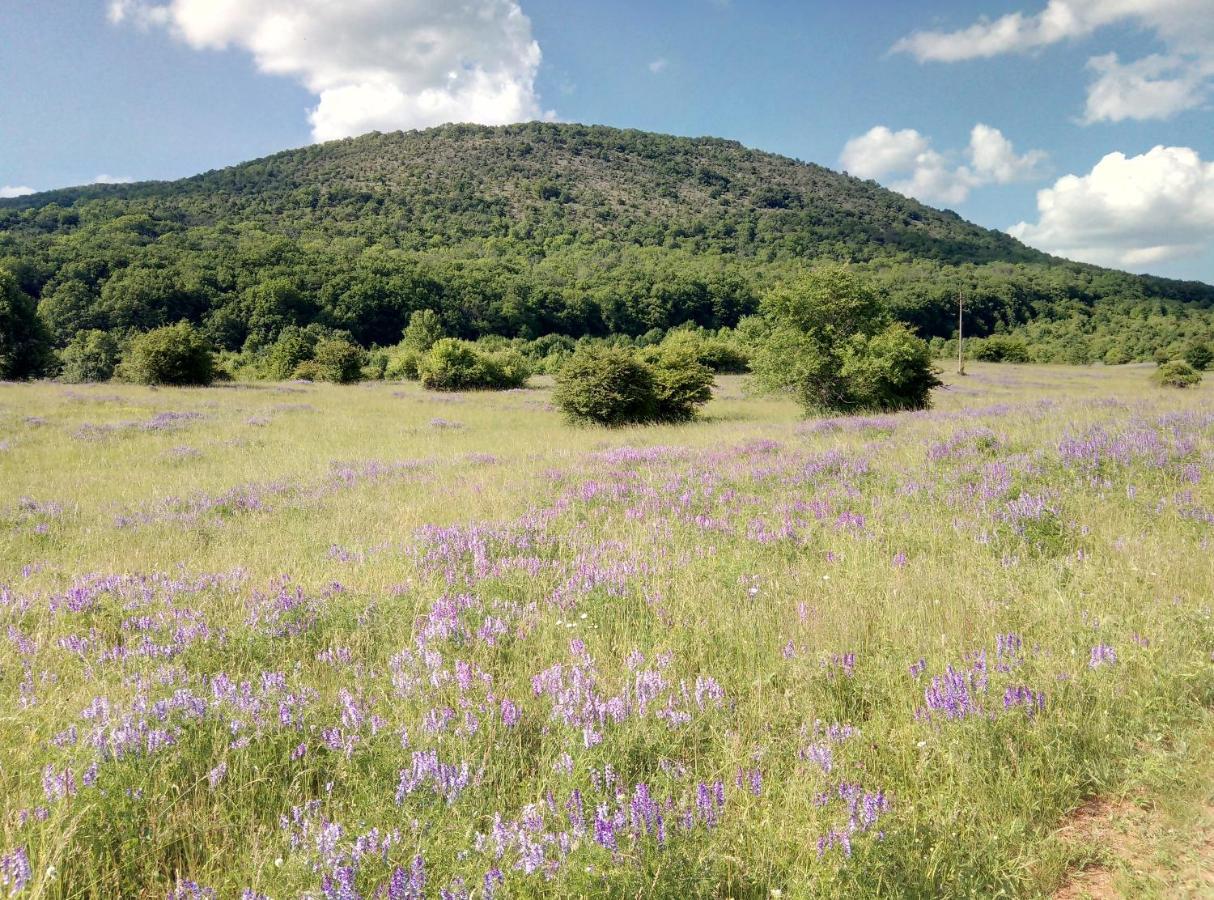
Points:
x=142 y=89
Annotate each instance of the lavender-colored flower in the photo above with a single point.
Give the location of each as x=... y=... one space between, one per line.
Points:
x=15 y=871
x=604 y=828
x=1102 y=654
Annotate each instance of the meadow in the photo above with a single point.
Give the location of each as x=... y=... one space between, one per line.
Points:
x=282 y=640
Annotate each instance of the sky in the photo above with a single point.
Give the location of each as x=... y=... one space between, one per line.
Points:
x=1083 y=127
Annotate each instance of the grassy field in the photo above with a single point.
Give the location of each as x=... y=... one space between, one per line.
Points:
x=305 y=640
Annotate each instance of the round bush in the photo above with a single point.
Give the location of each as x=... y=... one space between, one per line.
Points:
x=606 y=386
x=92 y=355
x=337 y=360
x=174 y=354
x=1177 y=374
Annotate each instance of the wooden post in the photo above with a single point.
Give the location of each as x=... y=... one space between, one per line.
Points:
x=960 y=338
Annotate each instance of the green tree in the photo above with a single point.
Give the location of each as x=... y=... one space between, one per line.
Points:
x=1177 y=374
x=1199 y=355
x=24 y=342
x=68 y=309
x=424 y=330
x=832 y=345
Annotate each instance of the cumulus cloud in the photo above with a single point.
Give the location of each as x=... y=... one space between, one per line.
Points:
x=9 y=190
x=113 y=179
x=906 y=162
x=658 y=66
x=372 y=64
x=1155 y=87
x=1129 y=212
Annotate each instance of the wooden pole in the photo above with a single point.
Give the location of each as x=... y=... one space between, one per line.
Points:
x=960 y=337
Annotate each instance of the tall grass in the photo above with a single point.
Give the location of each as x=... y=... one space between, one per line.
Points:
x=328 y=641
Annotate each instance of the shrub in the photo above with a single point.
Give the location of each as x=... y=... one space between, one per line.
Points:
x=831 y=345
x=606 y=386
x=173 y=354
x=376 y=363
x=1199 y=356
x=612 y=386
x=294 y=346
x=1001 y=348
x=892 y=370
x=514 y=367
x=454 y=365
x=403 y=365
x=1177 y=374
x=335 y=359
x=717 y=353
x=92 y=355
x=681 y=383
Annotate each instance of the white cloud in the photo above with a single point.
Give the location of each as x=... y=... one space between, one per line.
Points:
x=1155 y=87
x=113 y=179
x=994 y=158
x=372 y=64
x=658 y=66
x=906 y=161
x=1128 y=211
x=8 y=190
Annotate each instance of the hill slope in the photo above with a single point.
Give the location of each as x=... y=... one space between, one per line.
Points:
x=520 y=230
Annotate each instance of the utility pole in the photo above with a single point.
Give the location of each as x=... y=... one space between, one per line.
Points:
x=960 y=338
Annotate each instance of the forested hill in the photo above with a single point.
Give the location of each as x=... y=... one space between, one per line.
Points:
x=521 y=230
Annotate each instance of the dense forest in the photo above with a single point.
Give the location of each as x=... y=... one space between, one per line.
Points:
x=546 y=229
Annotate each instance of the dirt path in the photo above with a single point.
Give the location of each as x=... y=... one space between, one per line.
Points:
x=1156 y=842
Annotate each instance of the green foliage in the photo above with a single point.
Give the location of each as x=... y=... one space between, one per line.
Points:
x=92 y=355
x=605 y=386
x=294 y=346
x=403 y=365
x=832 y=346
x=455 y=365
x=1177 y=374
x=999 y=348
x=333 y=359
x=890 y=370
x=173 y=354
x=1199 y=355
x=24 y=343
x=681 y=383
x=721 y=354
x=545 y=229
x=424 y=330
x=611 y=386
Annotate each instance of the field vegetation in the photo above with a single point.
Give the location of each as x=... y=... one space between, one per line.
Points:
x=307 y=639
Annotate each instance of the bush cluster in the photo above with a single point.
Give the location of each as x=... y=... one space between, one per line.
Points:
x=455 y=365
x=612 y=386
x=173 y=354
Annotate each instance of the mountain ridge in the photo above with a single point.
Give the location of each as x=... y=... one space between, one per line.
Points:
x=588 y=228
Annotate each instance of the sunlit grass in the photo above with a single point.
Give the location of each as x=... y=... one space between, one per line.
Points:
x=448 y=549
